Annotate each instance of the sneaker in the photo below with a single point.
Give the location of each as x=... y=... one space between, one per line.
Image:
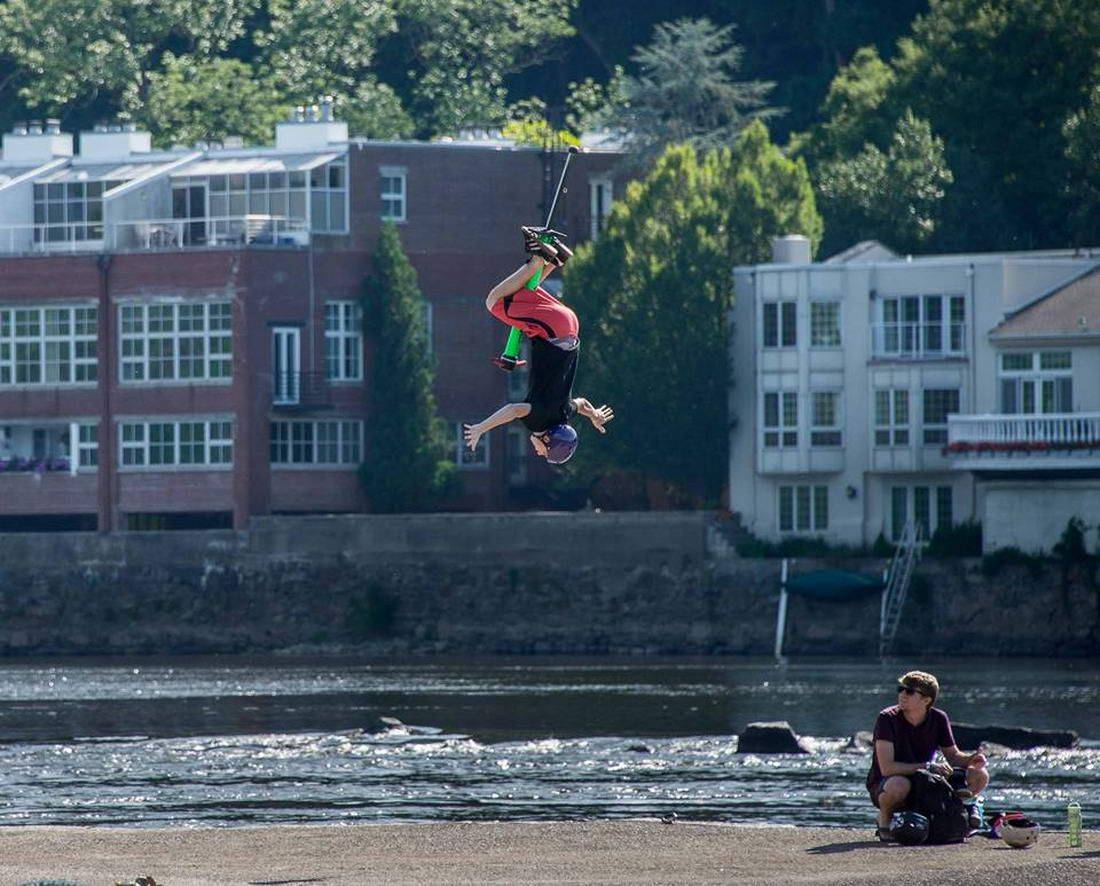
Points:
x=884 y=835
x=974 y=814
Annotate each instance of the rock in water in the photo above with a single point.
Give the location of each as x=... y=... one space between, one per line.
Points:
x=1019 y=738
x=769 y=738
x=859 y=742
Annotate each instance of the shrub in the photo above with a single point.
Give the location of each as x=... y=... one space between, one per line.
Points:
x=796 y=546
x=958 y=540
x=1002 y=558
x=1071 y=546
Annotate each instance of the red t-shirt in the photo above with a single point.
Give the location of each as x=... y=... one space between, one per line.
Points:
x=912 y=744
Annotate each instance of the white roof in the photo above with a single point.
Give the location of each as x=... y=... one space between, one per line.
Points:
x=100 y=172
x=255 y=163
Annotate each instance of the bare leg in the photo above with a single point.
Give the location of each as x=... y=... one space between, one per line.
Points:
x=977 y=777
x=892 y=798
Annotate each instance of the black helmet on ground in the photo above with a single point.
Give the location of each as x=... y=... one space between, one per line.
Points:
x=909 y=828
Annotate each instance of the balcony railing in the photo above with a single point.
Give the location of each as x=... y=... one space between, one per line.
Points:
x=918 y=341
x=1052 y=440
x=300 y=390
x=153 y=234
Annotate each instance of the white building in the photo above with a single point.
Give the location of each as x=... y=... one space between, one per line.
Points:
x=871 y=389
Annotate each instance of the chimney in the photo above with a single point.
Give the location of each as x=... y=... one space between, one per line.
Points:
x=28 y=145
x=792 y=249
x=312 y=128
x=115 y=141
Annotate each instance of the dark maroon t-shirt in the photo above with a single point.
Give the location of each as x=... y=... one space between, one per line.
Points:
x=912 y=744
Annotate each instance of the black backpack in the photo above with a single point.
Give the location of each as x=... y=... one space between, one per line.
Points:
x=933 y=797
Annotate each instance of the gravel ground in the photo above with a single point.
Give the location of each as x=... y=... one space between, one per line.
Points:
x=517 y=852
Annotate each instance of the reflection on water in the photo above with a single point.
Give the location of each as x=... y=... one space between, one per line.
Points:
x=224 y=741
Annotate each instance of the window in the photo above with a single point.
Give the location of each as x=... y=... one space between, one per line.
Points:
x=824 y=324
x=781 y=419
x=166 y=342
x=518 y=447
x=938 y=404
x=53 y=346
x=922 y=326
x=919 y=501
x=780 y=324
x=393 y=192
x=429 y=326
x=825 y=429
x=467 y=460
x=343 y=341
x=599 y=192
x=88 y=446
x=66 y=212
x=173 y=443
x=1036 y=382
x=803 y=508
x=328 y=195
x=892 y=418
x=326 y=443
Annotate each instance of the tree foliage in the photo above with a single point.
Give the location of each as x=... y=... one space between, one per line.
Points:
x=405 y=466
x=1002 y=83
x=685 y=91
x=206 y=100
x=894 y=196
x=654 y=292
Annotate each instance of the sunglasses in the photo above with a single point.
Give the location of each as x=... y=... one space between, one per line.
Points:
x=910 y=691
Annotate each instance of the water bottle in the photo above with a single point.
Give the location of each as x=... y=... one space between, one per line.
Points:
x=1074 y=812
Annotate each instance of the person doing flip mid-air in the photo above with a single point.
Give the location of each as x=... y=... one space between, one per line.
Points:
x=553 y=330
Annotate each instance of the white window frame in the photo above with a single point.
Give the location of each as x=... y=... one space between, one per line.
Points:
x=343 y=341
x=938 y=429
x=297 y=445
x=87 y=446
x=1037 y=381
x=783 y=434
x=600 y=197
x=915 y=337
x=136 y=340
x=822 y=336
x=11 y=343
x=895 y=431
x=784 y=309
x=809 y=508
x=836 y=427
x=400 y=197
x=478 y=460
x=136 y=444
x=324 y=194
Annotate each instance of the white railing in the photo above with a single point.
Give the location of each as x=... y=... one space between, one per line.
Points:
x=191 y=233
x=151 y=234
x=1061 y=431
x=918 y=341
x=69 y=237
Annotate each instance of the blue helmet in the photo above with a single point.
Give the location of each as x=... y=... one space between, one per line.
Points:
x=561 y=443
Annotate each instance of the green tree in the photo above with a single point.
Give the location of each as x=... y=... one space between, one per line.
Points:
x=654 y=292
x=192 y=100
x=1082 y=195
x=406 y=466
x=449 y=59
x=70 y=51
x=895 y=197
x=998 y=81
x=685 y=91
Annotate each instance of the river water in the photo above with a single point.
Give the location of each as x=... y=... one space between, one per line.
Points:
x=223 y=741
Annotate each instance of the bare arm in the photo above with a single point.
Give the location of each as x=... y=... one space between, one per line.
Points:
x=506 y=413
x=517 y=280
x=599 y=417
x=957 y=758
x=884 y=753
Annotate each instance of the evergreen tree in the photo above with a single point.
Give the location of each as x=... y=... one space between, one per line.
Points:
x=406 y=466
x=685 y=91
x=654 y=290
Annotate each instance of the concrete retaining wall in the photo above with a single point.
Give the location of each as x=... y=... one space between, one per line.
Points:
x=554 y=583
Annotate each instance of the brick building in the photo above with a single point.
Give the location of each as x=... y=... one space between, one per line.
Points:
x=180 y=335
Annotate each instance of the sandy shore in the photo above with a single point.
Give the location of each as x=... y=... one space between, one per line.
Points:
x=553 y=852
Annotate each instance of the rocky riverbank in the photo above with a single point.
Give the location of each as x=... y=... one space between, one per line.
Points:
x=552 y=583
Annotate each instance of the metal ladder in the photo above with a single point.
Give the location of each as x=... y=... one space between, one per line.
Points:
x=898 y=577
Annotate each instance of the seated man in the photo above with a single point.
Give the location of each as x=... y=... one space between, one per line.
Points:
x=905 y=739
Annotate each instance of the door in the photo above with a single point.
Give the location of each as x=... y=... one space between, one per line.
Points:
x=286 y=366
x=189 y=206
